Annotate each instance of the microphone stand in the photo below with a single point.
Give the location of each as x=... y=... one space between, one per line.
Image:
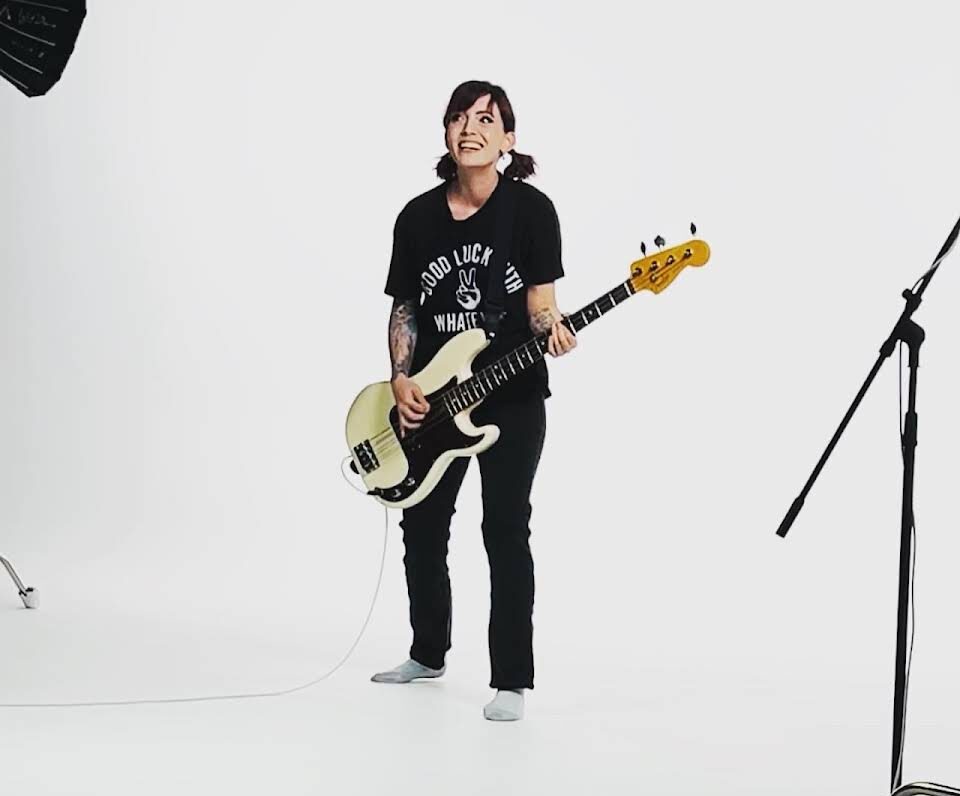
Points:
x=908 y=332
x=27 y=594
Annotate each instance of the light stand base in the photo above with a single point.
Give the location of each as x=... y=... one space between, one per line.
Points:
x=30 y=598
x=27 y=594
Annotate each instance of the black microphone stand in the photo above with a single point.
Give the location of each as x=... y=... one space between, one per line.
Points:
x=908 y=332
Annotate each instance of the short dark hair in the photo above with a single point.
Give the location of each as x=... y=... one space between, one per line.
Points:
x=463 y=97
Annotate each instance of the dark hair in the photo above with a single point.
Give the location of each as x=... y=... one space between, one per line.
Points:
x=463 y=97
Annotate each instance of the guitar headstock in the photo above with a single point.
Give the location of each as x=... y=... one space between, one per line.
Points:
x=655 y=271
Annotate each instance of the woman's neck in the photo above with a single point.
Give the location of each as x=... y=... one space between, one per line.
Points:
x=473 y=187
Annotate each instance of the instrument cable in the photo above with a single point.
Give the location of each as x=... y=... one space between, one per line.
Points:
x=251 y=695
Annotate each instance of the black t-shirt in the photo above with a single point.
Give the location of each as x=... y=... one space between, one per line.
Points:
x=442 y=265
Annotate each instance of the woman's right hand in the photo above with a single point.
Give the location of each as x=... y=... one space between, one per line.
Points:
x=412 y=406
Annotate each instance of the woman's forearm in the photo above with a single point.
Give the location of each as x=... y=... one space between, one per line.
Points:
x=542 y=308
x=402 y=337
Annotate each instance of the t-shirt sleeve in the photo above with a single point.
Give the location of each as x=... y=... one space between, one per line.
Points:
x=543 y=262
x=402 y=280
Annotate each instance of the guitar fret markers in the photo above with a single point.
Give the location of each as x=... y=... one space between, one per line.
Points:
x=478 y=386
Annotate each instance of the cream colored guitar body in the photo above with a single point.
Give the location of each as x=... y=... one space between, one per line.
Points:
x=400 y=477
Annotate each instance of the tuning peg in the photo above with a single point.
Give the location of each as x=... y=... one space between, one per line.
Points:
x=659 y=241
x=643 y=248
x=693 y=228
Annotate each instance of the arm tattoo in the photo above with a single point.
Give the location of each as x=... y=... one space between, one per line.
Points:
x=402 y=336
x=542 y=320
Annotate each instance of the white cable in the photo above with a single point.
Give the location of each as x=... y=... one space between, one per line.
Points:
x=253 y=695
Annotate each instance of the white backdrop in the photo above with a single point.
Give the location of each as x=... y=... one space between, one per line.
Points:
x=195 y=226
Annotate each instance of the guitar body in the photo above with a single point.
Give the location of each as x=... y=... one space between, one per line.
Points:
x=400 y=474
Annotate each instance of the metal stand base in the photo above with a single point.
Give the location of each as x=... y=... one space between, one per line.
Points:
x=27 y=594
x=926 y=789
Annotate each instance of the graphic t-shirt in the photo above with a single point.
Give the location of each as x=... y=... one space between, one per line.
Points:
x=442 y=265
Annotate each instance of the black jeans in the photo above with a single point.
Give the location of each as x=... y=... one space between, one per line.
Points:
x=506 y=472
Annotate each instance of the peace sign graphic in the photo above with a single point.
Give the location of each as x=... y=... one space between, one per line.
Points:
x=468 y=294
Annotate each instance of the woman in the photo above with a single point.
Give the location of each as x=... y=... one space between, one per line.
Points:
x=443 y=241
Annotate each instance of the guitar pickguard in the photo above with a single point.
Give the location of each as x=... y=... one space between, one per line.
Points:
x=438 y=434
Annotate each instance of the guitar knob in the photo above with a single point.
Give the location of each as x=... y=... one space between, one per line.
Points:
x=693 y=228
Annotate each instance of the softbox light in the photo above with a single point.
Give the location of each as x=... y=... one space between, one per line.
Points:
x=36 y=41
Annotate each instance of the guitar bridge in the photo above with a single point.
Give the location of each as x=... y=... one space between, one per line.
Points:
x=365 y=455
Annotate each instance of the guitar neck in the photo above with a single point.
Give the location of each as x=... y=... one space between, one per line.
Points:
x=485 y=381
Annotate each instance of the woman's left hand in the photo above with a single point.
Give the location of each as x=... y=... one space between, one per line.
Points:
x=562 y=340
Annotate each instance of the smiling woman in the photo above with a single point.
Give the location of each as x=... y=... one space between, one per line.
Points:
x=473 y=144
x=448 y=243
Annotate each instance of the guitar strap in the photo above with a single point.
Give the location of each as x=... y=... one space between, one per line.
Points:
x=493 y=307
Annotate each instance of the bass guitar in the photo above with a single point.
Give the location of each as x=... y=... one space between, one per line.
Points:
x=398 y=471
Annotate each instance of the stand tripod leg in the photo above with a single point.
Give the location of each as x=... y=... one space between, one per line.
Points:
x=27 y=594
x=926 y=789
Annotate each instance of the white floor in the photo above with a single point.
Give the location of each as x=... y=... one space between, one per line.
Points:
x=706 y=724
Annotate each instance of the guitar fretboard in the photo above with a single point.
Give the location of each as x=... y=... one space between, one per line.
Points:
x=485 y=381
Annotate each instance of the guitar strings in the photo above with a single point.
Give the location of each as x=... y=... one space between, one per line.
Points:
x=388 y=435
x=392 y=445
x=386 y=442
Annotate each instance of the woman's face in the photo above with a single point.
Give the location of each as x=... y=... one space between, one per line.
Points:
x=475 y=137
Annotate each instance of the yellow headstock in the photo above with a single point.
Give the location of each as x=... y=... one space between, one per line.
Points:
x=655 y=271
